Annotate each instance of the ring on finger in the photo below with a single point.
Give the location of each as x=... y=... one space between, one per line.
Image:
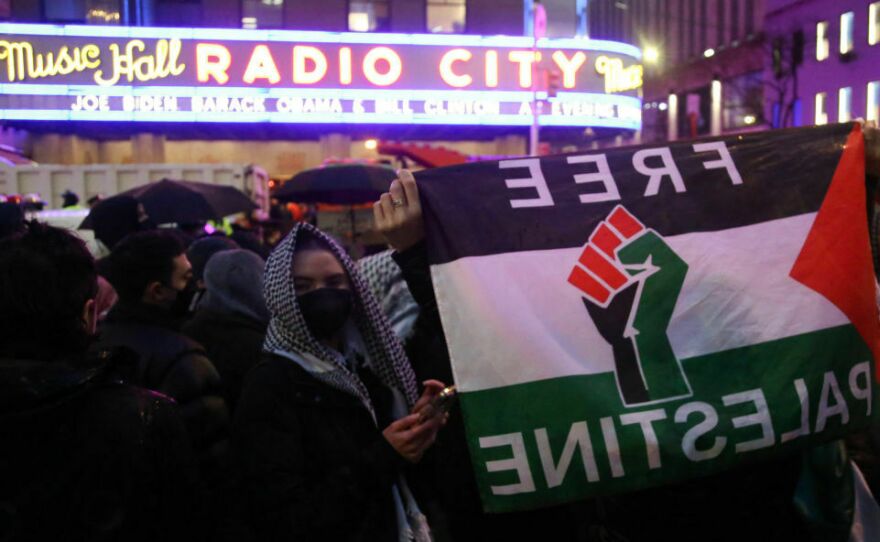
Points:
x=397 y=203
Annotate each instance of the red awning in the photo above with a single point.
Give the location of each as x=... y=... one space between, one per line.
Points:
x=424 y=155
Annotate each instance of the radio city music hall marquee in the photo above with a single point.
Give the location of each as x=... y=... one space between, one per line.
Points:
x=76 y=73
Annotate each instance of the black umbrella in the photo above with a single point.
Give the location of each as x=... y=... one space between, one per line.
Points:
x=114 y=218
x=180 y=202
x=343 y=184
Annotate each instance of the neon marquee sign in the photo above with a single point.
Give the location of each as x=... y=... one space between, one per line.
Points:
x=191 y=75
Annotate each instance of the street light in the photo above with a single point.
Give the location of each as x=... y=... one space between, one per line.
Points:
x=651 y=54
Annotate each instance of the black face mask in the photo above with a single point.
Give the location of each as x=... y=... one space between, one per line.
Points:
x=180 y=307
x=325 y=310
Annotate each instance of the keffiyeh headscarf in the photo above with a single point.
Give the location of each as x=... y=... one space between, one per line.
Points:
x=385 y=279
x=288 y=335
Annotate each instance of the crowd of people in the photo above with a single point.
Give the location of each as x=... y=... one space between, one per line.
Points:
x=195 y=390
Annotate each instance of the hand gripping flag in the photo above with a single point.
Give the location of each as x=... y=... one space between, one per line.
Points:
x=637 y=316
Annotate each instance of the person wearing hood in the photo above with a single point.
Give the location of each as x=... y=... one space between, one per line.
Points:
x=198 y=253
x=11 y=218
x=85 y=456
x=329 y=420
x=232 y=317
x=152 y=277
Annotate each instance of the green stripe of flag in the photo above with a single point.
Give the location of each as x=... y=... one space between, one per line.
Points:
x=574 y=421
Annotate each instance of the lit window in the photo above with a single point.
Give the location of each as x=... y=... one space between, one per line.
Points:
x=874 y=23
x=844 y=104
x=742 y=101
x=446 y=16
x=821 y=108
x=873 y=112
x=102 y=12
x=822 y=40
x=77 y=12
x=368 y=16
x=262 y=14
x=846 y=32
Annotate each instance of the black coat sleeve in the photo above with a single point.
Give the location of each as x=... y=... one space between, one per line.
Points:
x=270 y=445
x=413 y=263
x=195 y=384
x=426 y=347
x=139 y=467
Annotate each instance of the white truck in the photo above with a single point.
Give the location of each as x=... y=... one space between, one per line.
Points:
x=51 y=181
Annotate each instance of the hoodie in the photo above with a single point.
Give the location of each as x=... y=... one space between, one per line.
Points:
x=234 y=285
x=231 y=319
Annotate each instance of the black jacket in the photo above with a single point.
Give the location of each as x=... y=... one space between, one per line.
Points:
x=315 y=465
x=84 y=457
x=171 y=363
x=234 y=344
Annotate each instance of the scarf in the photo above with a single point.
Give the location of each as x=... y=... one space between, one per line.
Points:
x=385 y=280
x=288 y=332
x=289 y=337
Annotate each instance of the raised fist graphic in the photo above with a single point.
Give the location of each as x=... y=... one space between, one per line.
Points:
x=630 y=280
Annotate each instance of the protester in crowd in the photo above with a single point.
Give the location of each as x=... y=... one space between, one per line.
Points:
x=232 y=317
x=105 y=299
x=449 y=474
x=152 y=278
x=248 y=239
x=69 y=200
x=11 y=218
x=84 y=457
x=198 y=253
x=322 y=427
x=201 y=250
x=94 y=200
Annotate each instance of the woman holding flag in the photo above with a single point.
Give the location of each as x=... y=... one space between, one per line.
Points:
x=330 y=419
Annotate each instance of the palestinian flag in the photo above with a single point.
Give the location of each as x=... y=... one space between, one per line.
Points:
x=626 y=318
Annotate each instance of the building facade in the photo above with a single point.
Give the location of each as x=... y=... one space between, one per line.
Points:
x=704 y=62
x=446 y=16
x=472 y=55
x=824 y=65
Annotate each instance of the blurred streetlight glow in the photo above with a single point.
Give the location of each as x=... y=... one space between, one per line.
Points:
x=371 y=144
x=651 y=54
x=709 y=53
